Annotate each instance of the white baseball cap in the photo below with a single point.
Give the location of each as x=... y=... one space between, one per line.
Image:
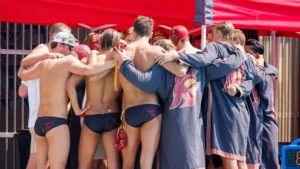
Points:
x=65 y=38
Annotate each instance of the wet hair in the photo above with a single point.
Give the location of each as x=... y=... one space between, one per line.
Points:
x=166 y=44
x=109 y=39
x=143 y=26
x=255 y=46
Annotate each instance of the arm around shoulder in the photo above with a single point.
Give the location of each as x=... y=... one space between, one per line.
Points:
x=176 y=69
x=29 y=74
x=76 y=67
x=38 y=54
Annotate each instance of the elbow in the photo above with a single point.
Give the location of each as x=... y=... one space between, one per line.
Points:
x=86 y=70
x=22 y=93
x=182 y=73
x=20 y=75
x=23 y=62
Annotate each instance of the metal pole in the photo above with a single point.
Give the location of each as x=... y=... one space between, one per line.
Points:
x=203 y=37
x=0 y=66
x=6 y=94
x=15 y=92
x=23 y=47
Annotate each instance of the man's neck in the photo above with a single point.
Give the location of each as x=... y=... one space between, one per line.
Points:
x=107 y=51
x=143 y=39
x=186 y=45
x=223 y=40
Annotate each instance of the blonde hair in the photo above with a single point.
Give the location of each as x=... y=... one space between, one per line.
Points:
x=59 y=27
x=237 y=34
x=166 y=44
x=226 y=28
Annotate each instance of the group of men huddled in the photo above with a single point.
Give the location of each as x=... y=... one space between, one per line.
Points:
x=190 y=109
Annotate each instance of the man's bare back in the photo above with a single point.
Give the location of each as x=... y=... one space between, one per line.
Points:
x=143 y=59
x=53 y=95
x=100 y=93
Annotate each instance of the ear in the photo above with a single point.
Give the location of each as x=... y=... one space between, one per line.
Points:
x=257 y=56
x=219 y=34
x=59 y=46
x=51 y=37
x=134 y=34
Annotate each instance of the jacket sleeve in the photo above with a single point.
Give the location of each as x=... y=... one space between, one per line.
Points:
x=148 y=81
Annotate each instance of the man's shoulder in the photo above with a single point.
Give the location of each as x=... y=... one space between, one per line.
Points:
x=42 y=47
x=131 y=46
x=57 y=62
x=156 y=49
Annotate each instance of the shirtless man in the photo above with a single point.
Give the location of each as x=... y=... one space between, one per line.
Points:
x=103 y=118
x=142 y=112
x=31 y=88
x=52 y=133
x=93 y=41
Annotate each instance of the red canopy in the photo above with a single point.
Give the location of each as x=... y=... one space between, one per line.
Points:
x=279 y=15
x=98 y=12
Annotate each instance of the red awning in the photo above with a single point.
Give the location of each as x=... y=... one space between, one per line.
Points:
x=278 y=15
x=98 y=12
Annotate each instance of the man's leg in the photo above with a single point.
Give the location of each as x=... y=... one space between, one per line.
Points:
x=99 y=157
x=103 y=163
x=129 y=152
x=112 y=154
x=42 y=152
x=242 y=165
x=87 y=147
x=150 y=135
x=95 y=164
x=59 y=146
x=229 y=163
x=32 y=159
